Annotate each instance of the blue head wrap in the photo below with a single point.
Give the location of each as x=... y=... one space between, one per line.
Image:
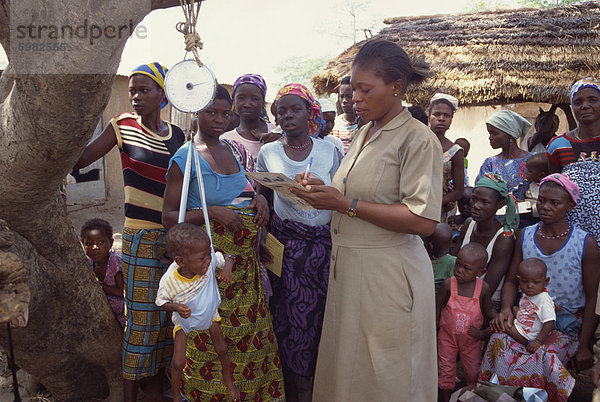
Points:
x=157 y=72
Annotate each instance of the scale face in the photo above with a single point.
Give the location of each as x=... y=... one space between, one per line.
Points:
x=189 y=87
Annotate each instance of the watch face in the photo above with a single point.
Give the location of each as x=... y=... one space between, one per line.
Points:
x=189 y=87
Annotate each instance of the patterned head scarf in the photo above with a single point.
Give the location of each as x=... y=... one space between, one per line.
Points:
x=157 y=72
x=587 y=82
x=315 y=120
x=251 y=79
x=510 y=122
x=495 y=182
x=449 y=98
x=566 y=183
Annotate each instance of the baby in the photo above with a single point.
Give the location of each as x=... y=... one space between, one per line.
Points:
x=458 y=317
x=535 y=314
x=188 y=282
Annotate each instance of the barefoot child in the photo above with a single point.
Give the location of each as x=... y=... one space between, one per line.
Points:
x=190 y=248
x=97 y=239
x=535 y=314
x=461 y=304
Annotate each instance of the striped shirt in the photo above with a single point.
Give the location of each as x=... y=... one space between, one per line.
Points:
x=145 y=158
x=563 y=150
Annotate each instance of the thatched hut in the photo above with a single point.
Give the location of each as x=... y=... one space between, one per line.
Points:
x=493 y=57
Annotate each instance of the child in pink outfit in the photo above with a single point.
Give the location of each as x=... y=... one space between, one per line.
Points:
x=461 y=303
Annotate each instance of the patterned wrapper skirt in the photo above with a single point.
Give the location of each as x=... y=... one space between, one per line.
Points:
x=246 y=326
x=148 y=336
x=543 y=369
x=298 y=301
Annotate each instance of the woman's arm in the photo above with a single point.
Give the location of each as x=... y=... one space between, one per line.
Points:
x=172 y=198
x=583 y=358
x=458 y=178
x=501 y=259
x=509 y=291
x=98 y=148
x=392 y=217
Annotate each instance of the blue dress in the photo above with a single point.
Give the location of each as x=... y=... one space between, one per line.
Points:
x=512 y=172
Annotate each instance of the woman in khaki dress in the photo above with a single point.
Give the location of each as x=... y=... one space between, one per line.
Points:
x=378 y=341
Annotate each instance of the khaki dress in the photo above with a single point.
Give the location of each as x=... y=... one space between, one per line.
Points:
x=379 y=340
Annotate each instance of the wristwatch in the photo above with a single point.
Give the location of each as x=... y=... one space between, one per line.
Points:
x=351 y=212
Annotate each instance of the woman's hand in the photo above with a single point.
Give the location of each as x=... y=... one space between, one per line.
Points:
x=503 y=320
x=269 y=137
x=311 y=179
x=595 y=374
x=583 y=358
x=226 y=217
x=261 y=206
x=322 y=197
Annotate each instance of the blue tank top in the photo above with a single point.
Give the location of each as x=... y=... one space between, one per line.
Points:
x=564 y=266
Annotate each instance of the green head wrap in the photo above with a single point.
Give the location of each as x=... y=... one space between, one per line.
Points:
x=495 y=182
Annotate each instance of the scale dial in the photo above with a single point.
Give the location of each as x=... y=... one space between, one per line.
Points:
x=189 y=87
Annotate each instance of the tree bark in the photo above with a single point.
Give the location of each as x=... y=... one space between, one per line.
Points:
x=72 y=343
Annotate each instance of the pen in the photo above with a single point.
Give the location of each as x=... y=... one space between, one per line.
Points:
x=307 y=168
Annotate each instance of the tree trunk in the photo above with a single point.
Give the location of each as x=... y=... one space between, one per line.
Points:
x=72 y=343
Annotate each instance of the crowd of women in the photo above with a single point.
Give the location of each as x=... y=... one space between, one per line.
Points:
x=352 y=314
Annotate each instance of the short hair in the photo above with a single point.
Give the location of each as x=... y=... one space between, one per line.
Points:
x=387 y=60
x=538 y=161
x=534 y=263
x=97 y=224
x=419 y=113
x=437 y=102
x=222 y=93
x=441 y=238
x=183 y=237
x=476 y=250
x=345 y=80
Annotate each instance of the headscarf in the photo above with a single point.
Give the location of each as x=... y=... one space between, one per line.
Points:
x=495 y=182
x=451 y=99
x=563 y=181
x=510 y=122
x=326 y=106
x=251 y=79
x=157 y=72
x=587 y=82
x=315 y=120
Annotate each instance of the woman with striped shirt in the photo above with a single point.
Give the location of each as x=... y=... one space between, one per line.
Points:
x=146 y=143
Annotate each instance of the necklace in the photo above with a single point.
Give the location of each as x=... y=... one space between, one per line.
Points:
x=558 y=236
x=298 y=147
x=577 y=134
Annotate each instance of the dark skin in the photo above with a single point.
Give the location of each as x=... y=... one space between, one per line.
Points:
x=467 y=268
x=440 y=119
x=375 y=101
x=212 y=122
x=329 y=118
x=508 y=144
x=485 y=203
x=249 y=102
x=586 y=108
x=553 y=205
x=292 y=114
x=97 y=246
x=346 y=102
x=145 y=96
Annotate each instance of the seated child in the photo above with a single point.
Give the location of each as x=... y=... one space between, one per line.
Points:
x=185 y=283
x=438 y=247
x=458 y=316
x=535 y=314
x=537 y=169
x=97 y=239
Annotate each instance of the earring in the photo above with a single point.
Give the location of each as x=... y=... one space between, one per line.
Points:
x=395 y=95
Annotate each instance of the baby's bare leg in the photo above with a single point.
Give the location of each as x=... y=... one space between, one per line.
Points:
x=516 y=335
x=177 y=364
x=221 y=349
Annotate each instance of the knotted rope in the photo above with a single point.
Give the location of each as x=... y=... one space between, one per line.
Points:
x=188 y=27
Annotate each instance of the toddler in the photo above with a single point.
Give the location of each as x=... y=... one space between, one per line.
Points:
x=438 y=247
x=537 y=169
x=189 y=290
x=461 y=304
x=535 y=314
x=97 y=239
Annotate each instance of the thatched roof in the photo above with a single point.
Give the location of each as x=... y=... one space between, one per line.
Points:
x=493 y=57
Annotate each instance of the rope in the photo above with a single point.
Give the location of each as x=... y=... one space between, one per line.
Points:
x=188 y=27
